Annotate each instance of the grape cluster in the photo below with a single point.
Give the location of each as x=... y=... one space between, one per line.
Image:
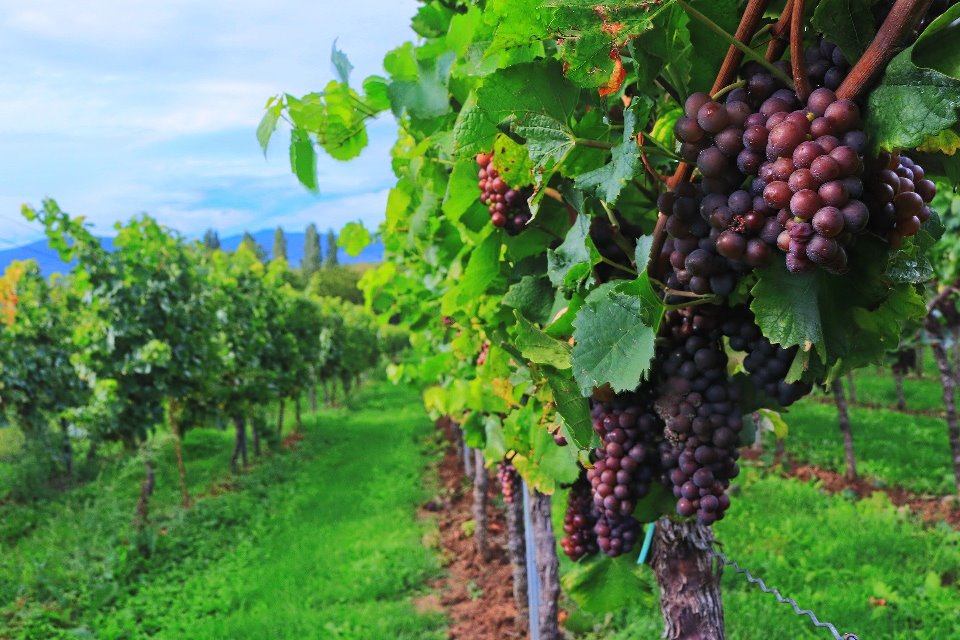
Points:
x=510 y=485
x=701 y=410
x=691 y=247
x=613 y=244
x=579 y=521
x=826 y=65
x=898 y=194
x=766 y=363
x=625 y=466
x=484 y=353
x=508 y=206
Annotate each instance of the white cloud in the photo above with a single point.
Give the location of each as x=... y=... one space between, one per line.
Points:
x=129 y=106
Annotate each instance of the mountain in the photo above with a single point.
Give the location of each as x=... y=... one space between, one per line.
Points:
x=50 y=262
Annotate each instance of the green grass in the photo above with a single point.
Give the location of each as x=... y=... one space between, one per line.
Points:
x=895 y=449
x=832 y=555
x=320 y=542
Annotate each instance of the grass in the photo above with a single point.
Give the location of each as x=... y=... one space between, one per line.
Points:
x=864 y=565
x=320 y=542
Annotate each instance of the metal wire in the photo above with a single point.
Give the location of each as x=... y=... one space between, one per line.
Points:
x=782 y=600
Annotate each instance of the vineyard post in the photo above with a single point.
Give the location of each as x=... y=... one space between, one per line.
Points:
x=533 y=575
x=240 y=442
x=517 y=550
x=851 y=388
x=548 y=566
x=67 y=446
x=844 y=419
x=174 y=415
x=947 y=380
x=898 y=381
x=481 y=485
x=280 y=417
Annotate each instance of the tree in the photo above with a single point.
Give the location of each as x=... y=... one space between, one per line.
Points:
x=336 y=282
x=146 y=322
x=279 y=245
x=211 y=240
x=332 y=260
x=311 y=261
x=249 y=243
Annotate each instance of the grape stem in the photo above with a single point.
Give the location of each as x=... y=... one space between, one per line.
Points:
x=670 y=89
x=749 y=22
x=617 y=235
x=727 y=89
x=780 y=31
x=891 y=37
x=593 y=144
x=747 y=51
x=798 y=63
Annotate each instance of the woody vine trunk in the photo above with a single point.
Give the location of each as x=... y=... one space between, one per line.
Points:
x=689 y=583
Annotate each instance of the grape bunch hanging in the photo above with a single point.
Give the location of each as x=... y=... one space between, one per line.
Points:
x=507 y=206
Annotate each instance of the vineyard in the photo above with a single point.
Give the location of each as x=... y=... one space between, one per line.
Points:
x=665 y=343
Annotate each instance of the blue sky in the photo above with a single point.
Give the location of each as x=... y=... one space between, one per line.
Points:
x=130 y=106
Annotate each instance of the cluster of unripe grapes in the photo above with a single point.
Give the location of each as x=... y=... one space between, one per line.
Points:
x=700 y=407
x=507 y=206
x=579 y=520
x=510 y=484
x=625 y=466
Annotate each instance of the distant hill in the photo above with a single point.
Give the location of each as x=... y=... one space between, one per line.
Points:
x=50 y=262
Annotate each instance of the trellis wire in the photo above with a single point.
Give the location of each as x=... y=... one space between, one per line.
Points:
x=533 y=575
x=780 y=598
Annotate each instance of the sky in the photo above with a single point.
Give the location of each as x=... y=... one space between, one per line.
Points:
x=130 y=106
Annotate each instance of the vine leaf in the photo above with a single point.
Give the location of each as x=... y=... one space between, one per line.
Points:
x=851 y=319
x=571 y=261
x=602 y=584
x=846 y=23
x=608 y=181
x=532 y=297
x=538 y=347
x=614 y=336
x=268 y=124
x=571 y=406
x=303 y=158
x=353 y=238
x=919 y=95
x=341 y=64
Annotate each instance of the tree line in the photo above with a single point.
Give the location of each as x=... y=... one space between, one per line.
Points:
x=164 y=334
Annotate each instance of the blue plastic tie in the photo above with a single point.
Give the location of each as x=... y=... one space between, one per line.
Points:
x=647 y=541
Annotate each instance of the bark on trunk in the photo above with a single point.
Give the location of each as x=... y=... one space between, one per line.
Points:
x=313 y=397
x=851 y=388
x=758 y=436
x=689 y=582
x=845 y=430
x=780 y=452
x=283 y=403
x=548 y=566
x=67 y=447
x=949 y=383
x=92 y=451
x=516 y=549
x=468 y=462
x=240 y=446
x=481 y=483
x=298 y=413
x=919 y=360
x=898 y=380
x=142 y=515
x=178 y=451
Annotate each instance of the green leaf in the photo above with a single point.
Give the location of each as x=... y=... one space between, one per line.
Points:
x=548 y=141
x=341 y=64
x=919 y=95
x=602 y=584
x=353 y=238
x=376 y=93
x=846 y=23
x=708 y=49
x=911 y=262
x=563 y=313
x=607 y=181
x=538 y=347
x=850 y=319
x=426 y=96
x=532 y=296
x=773 y=421
x=512 y=95
x=572 y=406
x=614 y=338
x=641 y=254
x=482 y=269
x=268 y=124
x=573 y=259
x=303 y=158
